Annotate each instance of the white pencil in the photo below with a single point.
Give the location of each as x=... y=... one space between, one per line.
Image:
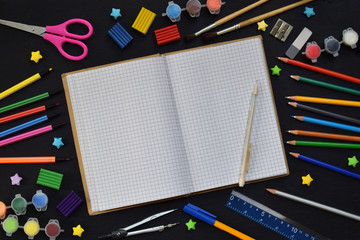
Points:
x=314 y=204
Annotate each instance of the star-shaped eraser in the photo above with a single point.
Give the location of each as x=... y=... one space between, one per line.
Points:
x=15 y=180
x=352 y=161
x=306 y=180
x=275 y=70
x=262 y=25
x=190 y=224
x=115 y=13
x=35 y=56
x=78 y=230
x=309 y=12
x=58 y=142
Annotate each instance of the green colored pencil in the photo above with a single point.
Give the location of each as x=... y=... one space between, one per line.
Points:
x=326 y=85
x=27 y=101
x=324 y=144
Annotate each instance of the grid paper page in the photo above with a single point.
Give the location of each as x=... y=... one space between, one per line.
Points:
x=212 y=88
x=128 y=134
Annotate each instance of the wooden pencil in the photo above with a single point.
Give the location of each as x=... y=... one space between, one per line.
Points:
x=324 y=144
x=324 y=113
x=314 y=204
x=325 y=85
x=325 y=135
x=328 y=123
x=325 y=101
x=319 y=70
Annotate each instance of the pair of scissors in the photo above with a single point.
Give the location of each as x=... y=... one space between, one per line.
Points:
x=60 y=35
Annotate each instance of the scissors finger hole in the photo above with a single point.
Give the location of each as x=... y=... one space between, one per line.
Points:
x=77 y=28
x=72 y=49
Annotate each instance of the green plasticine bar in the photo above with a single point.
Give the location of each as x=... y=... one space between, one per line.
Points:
x=49 y=179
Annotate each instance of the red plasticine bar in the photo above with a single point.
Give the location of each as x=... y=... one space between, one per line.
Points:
x=167 y=34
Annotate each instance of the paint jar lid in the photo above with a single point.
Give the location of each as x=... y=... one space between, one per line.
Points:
x=19 y=205
x=10 y=224
x=193 y=7
x=52 y=229
x=312 y=51
x=2 y=210
x=213 y=5
x=332 y=46
x=173 y=10
x=40 y=199
x=350 y=37
x=32 y=227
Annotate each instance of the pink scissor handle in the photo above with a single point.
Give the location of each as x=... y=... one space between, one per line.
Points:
x=61 y=29
x=59 y=41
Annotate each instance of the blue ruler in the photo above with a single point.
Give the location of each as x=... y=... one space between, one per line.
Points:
x=270 y=219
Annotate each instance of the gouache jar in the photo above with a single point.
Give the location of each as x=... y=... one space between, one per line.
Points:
x=173 y=11
x=2 y=210
x=19 y=205
x=40 y=201
x=52 y=229
x=214 y=6
x=312 y=51
x=10 y=225
x=193 y=7
x=332 y=46
x=350 y=37
x=32 y=228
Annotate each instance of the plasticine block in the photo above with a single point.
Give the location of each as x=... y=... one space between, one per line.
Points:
x=120 y=35
x=70 y=203
x=167 y=34
x=49 y=179
x=144 y=20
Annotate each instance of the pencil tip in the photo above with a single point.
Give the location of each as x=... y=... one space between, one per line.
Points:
x=292 y=142
x=273 y=191
x=294 y=154
x=287 y=97
x=293 y=117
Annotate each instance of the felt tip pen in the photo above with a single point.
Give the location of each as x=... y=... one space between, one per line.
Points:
x=13 y=160
x=211 y=219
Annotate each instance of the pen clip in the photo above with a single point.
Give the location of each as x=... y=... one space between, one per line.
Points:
x=200 y=213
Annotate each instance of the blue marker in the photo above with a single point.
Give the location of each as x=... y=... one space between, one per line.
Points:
x=328 y=123
x=211 y=219
x=27 y=125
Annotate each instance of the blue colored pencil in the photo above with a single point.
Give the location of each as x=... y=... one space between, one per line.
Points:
x=27 y=125
x=328 y=123
x=325 y=165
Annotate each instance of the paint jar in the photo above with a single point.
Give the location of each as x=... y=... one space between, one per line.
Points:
x=10 y=225
x=332 y=46
x=32 y=227
x=52 y=229
x=350 y=37
x=2 y=210
x=19 y=205
x=193 y=7
x=312 y=51
x=214 y=6
x=173 y=11
x=40 y=201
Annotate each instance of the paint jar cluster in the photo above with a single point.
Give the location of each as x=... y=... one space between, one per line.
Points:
x=332 y=45
x=10 y=224
x=193 y=7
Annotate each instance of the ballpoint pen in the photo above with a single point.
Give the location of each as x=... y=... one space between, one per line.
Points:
x=123 y=232
x=211 y=219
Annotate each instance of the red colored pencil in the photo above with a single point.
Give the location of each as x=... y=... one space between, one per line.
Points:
x=26 y=113
x=320 y=70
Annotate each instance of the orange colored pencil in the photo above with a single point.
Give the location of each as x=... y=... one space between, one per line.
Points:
x=320 y=70
x=325 y=135
x=329 y=101
x=12 y=160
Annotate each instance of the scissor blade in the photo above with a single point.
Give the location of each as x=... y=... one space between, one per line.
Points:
x=149 y=219
x=40 y=31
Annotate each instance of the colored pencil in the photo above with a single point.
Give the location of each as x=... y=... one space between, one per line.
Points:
x=328 y=123
x=211 y=35
x=27 y=124
x=12 y=160
x=325 y=113
x=23 y=84
x=28 y=101
x=223 y=20
x=26 y=113
x=320 y=70
x=30 y=134
x=325 y=135
x=326 y=85
x=314 y=204
x=325 y=101
x=324 y=144
x=325 y=165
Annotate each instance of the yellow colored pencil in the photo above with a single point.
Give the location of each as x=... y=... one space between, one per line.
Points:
x=23 y=84
x=325 y=101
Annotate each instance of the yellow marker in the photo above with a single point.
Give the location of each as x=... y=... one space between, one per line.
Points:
x=23 y=84
x=31 y=227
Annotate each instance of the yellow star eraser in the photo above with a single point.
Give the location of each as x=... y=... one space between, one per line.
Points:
x=306 y=180
x=78 y=230
x=262 y=25
x=35 y=56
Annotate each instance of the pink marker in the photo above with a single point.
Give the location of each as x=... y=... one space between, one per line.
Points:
x=30 y=134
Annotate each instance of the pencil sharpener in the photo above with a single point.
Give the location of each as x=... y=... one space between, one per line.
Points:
x=281 y=30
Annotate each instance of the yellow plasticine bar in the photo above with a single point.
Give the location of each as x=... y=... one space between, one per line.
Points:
x=144 y=20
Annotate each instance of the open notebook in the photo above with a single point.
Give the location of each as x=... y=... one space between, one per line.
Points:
x=165 y=126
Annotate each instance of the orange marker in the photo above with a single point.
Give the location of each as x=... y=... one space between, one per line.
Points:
x=11 y=160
